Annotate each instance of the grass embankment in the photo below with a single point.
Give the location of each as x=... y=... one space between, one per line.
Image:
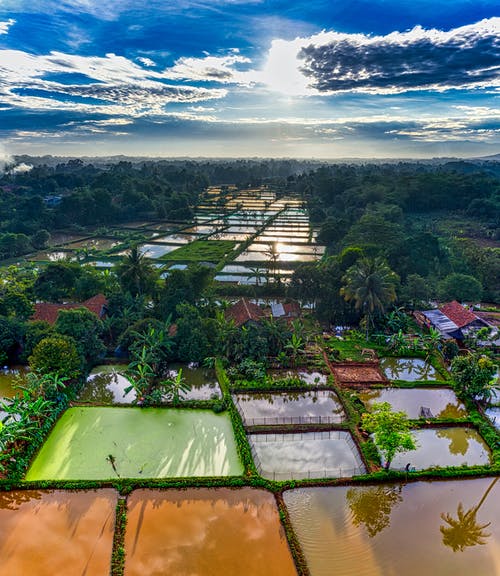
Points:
x=201 y=251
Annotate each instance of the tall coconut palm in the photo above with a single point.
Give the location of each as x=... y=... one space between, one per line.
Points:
x=371 y=284
x=136 y=273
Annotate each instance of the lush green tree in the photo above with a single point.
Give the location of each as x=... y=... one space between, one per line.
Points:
x=85 y=329
x=473 y=375
x=182 y=286
x=11 y=336
x=56 y=355
x=371 y=285
x=35 y=331
x=391 y=431
x=415 y=291
x=461 y=287
x=56 y=282
x=191 y=337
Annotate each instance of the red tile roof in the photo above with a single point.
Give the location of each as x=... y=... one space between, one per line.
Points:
x=292 y=309
x=243 y=311
x=458 y=314
x=48 y=311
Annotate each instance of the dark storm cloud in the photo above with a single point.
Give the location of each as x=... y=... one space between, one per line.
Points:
x=399 y=62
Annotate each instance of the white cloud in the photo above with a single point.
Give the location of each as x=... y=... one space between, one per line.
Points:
x=221 y=69
x=4 y=26
x=116 y=85
x=146 y=61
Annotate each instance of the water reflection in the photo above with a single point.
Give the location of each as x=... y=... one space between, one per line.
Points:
x=337 y=540
x=205 y=531
x=47 y=533
x=408 y=369
x=465 y=531
x=372 y=506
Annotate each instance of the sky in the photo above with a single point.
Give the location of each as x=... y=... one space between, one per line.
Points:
x=256 y=78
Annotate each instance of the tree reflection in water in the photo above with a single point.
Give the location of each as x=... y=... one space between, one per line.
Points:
x=465 y=530
x=373 y=506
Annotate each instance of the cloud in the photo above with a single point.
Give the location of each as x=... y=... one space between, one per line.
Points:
x=419 y=59
x=4 y=26
x=146 y=61
x=222 y=69
x=115 y=85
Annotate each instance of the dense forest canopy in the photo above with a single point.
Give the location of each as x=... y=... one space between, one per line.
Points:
x=428 y=220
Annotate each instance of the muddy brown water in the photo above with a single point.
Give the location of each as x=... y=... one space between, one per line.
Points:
x=440 y=528
x=205 y=532
x=49 y=533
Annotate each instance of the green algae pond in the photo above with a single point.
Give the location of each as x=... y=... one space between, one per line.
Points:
x=445 y=528
x=97 y=443
x=205 y=532
x=52 y=532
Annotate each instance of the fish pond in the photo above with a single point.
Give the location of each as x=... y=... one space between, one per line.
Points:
x=442 y=402
x=317 y=406
x=95 y=443
x=331 y=454
x=408 y=369
x=106 y=384
x=494 y=415
x=446 y=528
x=47 y=532
x=203 y=382
x=205 y=532
x=447 y=446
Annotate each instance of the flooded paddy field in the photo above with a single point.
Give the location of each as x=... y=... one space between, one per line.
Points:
x=316 y=406
x=331 y=454
x=203 y=381
x=442 y=402
x=442 y=447
x=9 y=377
x=142 y=443
x=106 y=385
x=205 y=532
x=494 y=416
x=445 y=528
x=408 y=369
x=51 y=532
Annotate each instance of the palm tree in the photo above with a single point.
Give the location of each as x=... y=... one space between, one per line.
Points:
x=135 y=272
x=370 y=283
x=273 y=255
x=465 y=530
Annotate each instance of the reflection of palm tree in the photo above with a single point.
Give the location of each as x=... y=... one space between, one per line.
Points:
x=373 y=506
x=465 y=530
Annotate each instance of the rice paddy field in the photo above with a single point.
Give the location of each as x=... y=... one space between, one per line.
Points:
x=267 y=486
x=261 y=237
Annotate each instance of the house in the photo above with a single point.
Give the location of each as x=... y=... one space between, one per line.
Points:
x=244 y=311
x=452 y=320
x=49 y=311
x=285 y=310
